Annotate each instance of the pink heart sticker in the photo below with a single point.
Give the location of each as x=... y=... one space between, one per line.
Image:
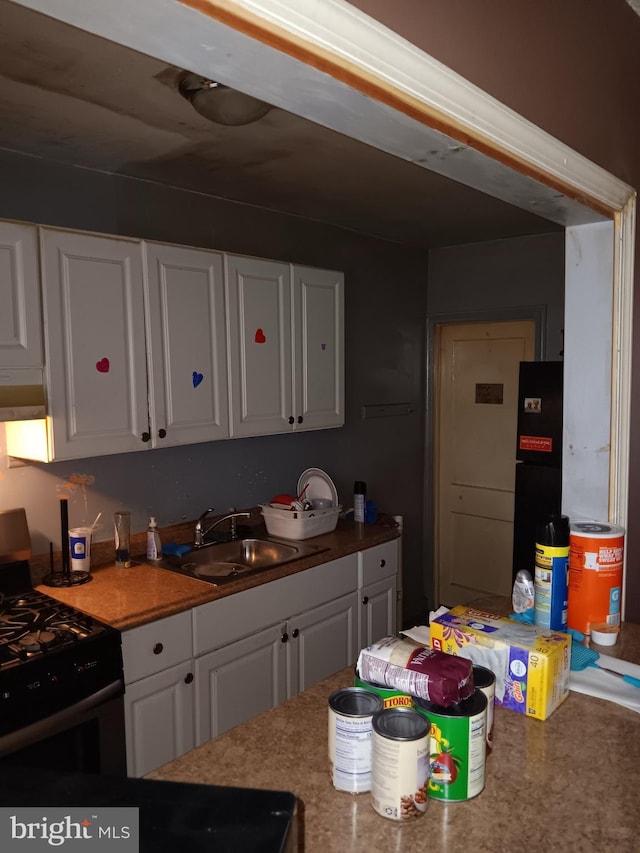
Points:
x=103 y=365
x=260 y=338
x=197 y=378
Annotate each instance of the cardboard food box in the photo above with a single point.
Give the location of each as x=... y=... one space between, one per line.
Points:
x=531 y=664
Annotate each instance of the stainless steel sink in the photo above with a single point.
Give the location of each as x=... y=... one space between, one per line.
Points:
x=223 y=562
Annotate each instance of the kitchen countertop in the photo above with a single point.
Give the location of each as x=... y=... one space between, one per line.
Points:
x=126 y=598
x=569 y=782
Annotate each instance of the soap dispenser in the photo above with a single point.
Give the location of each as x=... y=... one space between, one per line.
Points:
x=154 y=546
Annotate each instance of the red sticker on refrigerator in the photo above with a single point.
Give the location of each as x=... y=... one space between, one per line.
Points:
x=536 y=442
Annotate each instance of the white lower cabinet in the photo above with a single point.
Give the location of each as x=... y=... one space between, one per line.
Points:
x=321 y=641
x=251 y=653
x=377 y=586
x=159 y=718
x=194 y=675
x=159 y=692
x=239 y=681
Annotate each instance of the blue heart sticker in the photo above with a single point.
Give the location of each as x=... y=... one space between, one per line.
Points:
x=197 y=378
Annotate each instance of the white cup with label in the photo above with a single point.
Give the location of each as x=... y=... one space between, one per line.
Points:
x=80 y=548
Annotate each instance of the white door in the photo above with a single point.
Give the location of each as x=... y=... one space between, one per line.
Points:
x=476 y=397
x=259 y=327
x=187 y=360
x=377 y=611
x=318 y=334
x=95 y=346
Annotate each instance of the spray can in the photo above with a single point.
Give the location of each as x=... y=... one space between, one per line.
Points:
x=551 y=573
x=359 y=501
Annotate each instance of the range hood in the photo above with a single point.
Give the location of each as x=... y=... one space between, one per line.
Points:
x=22 y=395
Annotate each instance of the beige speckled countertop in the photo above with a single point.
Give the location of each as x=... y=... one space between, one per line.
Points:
x=129 y=597
x=568 y=783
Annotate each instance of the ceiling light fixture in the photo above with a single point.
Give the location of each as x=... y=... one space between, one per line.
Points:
x=219 y=103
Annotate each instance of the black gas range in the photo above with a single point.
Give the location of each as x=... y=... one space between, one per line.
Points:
x=61 y=677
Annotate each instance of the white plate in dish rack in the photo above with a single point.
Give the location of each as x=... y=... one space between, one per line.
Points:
x=318 y=485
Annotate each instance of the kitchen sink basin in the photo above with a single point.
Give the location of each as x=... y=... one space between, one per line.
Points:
x=223 y=562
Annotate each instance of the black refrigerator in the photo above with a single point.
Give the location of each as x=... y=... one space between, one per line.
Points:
x=538 y=482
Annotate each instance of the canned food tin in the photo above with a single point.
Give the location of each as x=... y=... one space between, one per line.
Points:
x=391 y=696
x=399 y=763
x=350 y=713
x=458 y=747
x=485 y=680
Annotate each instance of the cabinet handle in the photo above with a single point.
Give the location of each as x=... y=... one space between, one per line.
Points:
x=146 y=436
x=365 y=599
x=284 y=637
x=162 y=433
x=295 y=633
x=290 y=419
x=188 y=678
x=158 y=649
x=383 y=563
x=300 y=419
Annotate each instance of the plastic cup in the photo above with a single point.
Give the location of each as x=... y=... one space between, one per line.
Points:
x=122 y=527
x=80 y=548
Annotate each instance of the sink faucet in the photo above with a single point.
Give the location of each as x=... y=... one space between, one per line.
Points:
x=200 y=534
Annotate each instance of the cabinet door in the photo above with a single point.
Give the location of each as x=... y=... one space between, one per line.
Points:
x=187 y=352
x=259 y=327
x=95 y=347
x=159 y=718
x=321 y=641
x=239 y=681
x=21 y=316
x=318 y=333
x=377 y=611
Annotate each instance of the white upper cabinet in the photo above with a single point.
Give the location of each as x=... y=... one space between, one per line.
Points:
x=318 y=334
x=187 y=357
x=95 y=344
x=286 y=339
x=21 y=316
x=150 y=345
x=260 y=356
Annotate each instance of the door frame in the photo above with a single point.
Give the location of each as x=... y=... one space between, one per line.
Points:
x=538 y=313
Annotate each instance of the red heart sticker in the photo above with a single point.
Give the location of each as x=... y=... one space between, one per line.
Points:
x=260 y=338
x=103 y=365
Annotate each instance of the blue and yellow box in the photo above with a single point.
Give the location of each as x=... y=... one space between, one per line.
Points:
x=531 y=664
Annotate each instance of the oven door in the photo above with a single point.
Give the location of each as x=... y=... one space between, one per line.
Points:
x=87 y=737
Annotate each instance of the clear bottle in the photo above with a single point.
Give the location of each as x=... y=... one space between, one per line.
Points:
x=154 y=546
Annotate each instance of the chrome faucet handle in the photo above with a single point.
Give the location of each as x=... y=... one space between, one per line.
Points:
x=198 y=536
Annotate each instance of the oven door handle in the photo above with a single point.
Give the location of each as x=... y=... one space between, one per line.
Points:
x=54 y=723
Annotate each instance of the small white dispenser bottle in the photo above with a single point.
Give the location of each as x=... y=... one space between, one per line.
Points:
x=154 y=546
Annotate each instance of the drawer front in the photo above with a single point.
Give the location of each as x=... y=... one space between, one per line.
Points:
x=378 y=562
x=156 y=646
x=229 y=619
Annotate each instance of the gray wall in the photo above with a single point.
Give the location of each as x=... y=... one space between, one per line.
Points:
x=517 y=273
x=385 y=296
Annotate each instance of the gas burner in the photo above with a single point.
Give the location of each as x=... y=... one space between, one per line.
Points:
x=37 y=641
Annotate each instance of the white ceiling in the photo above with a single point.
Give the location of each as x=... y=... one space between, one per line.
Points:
x=72 y=97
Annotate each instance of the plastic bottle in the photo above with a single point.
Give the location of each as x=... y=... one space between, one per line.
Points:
x=359 y=501
x=551 y=573
x=154 y=546
x=523 y=595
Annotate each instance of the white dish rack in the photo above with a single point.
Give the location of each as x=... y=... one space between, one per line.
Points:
x=299 y=524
